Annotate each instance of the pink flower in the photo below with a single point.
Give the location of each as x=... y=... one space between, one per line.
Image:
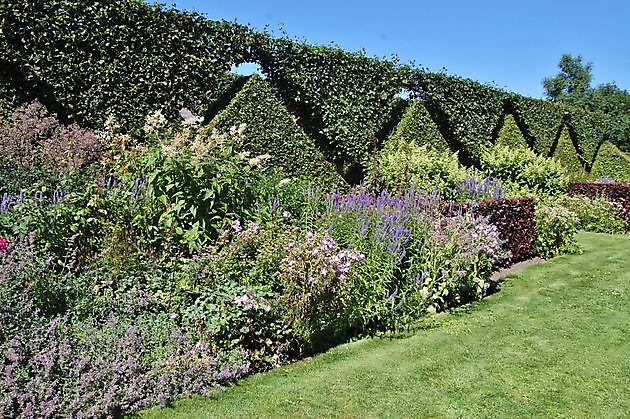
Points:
x=4 y=243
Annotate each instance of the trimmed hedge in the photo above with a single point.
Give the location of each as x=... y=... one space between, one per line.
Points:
x=540 y=121
x=615 y=192
x=342 y=98
x=515 y=219
x=588 y=129
x=467 y=111
x=87 y=59
x=510 y=134
x=271 y=129
x=566 y=153
x=612 y=162
x=418 y=126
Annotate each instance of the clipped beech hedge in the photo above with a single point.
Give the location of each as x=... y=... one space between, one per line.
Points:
x=612 y=162
x=467 y=111
x=540 y=120
x=271 y=129
x=417 y=125
x=566 y=153
x=510 y=134
x=515 y=218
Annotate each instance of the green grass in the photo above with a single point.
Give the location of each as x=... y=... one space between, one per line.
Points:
x=553 y=342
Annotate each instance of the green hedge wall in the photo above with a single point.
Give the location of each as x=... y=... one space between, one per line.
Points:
x=342 y=98
x=271 y=129
x=566 y=153
x=417 y=125
x=510 y=134
x=467 y=111
x=612 y=162
x=540 y=121
x=589 y=131
x=86 y=59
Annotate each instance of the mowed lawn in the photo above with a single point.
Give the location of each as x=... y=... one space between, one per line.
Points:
x=554 y=342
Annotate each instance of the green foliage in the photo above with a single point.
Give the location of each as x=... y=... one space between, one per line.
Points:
x=466 y=110
x=271 y=129
x=597 y=215
x=540 y=120
x=523 y=172
x=612 y=162
x=556 y=227
x=510 y=134
x=417 y=125
x=572 y=83
x=342 y=98
x=566 y=153
x=90 y=59
x=197 y=184
x=401 y=163
x=589 y=130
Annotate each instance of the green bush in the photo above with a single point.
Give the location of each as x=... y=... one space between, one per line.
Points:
x=598 y=215
x=566 y=153
x=556 y=227
x=271 y=129
x=417 y=125
x=611 y=162
x=510 y=134
x=400 y=164
x=522 y=171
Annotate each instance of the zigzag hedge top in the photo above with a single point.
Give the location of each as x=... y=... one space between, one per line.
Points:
x=88 y=59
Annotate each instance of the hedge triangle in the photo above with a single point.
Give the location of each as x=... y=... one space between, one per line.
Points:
x=540 y=120
x=271 y=129
x=510 y=134
x=567 y=155
x=612 y=162
x=417 y=125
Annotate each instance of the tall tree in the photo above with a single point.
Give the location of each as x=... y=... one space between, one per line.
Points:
x=572 y=85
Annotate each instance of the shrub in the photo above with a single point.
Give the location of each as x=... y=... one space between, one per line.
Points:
x=515 y=220
x=567 y=154
x=555 y=230
x=271 y=129
x=610 y=161
x=401 y=164
x=510 y=134
x=598 y=215
x=417 y=126
x=614 y=192
x=522 y=171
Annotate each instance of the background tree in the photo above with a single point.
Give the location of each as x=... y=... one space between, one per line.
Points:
x=572 y=85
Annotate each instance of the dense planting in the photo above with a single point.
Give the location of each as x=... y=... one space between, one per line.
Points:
x=150 y=256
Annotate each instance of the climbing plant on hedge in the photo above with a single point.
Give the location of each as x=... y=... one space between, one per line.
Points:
x=540 y=121
x=271 y=129
x=566 y=153
x=341 y=97
x=589 y=130
x=510 y=134
x=612 y=162
x=87 y=59
x=466 y=110
x=418 y=126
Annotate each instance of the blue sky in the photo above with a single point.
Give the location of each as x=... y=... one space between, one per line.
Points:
x=511 y=43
